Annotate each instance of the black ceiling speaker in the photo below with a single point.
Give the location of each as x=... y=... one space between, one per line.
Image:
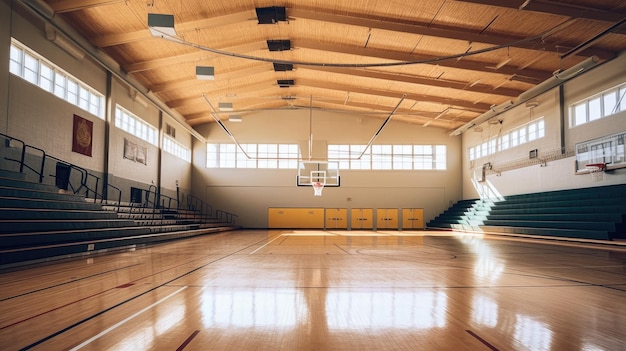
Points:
x=271 y=15
x=282 y=67
x=279 y=45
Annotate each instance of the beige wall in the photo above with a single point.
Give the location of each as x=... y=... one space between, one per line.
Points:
x=249 y=193
x=554 y=175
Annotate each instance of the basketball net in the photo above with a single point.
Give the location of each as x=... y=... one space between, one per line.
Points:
x=597 y=172
x=317 y=188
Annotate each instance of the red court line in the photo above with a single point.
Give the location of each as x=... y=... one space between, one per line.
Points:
x=491 y=347
x=187 y=341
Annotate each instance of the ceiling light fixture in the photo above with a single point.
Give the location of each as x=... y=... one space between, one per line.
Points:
x=161 y=25
x=225 y=106
x=205 y=73
x=234 y=118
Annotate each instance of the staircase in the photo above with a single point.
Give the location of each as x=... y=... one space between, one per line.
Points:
x=588 y=213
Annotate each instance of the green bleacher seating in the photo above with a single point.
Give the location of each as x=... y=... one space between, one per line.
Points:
x=587 y=213
x=39 y=222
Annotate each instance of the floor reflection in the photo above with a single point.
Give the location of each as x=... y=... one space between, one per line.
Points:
x=252 y=308
x=484 y=311
x=398 y=309
x=532 y=334
x=487 y=266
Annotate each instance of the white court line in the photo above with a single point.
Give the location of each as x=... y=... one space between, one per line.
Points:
x=264 y=245
x=93 y=338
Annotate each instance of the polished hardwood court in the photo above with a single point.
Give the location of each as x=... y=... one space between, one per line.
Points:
x=323 y=290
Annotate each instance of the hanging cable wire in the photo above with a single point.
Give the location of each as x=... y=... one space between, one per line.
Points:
x=178 y=40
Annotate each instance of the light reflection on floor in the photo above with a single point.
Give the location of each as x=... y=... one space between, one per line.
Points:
x=376 y=290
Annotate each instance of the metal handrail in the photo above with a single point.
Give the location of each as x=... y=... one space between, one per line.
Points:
x=119 y=197
x=159 y=199
x=84 y=174
x=202 y=211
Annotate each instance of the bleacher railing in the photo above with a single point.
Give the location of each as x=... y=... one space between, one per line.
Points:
x=203 y=211
x=88 y=182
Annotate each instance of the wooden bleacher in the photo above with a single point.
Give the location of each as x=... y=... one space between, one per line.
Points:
x=588 y=213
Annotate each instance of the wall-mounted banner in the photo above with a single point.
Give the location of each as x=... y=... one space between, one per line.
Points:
x=134 y=152
x=82 y=136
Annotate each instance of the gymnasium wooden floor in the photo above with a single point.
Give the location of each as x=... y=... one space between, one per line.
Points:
x=323 y=290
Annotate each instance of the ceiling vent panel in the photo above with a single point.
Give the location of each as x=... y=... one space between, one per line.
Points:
x=285 y=83
x=283 y=67
x=271 y=15
x=279 y=45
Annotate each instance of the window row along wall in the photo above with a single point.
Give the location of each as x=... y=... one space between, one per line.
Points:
x=131 y=142
x=544 y=144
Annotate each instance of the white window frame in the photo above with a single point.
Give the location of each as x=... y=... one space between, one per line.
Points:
x=601 y=105
x=531 y=131
x=259 y=156
x=381 y=157
x=132 y=124
x=173 y=147
x=34 y=68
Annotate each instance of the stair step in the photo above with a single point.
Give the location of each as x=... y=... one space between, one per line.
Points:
x=54 y=214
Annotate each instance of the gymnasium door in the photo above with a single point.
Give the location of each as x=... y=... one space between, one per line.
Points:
x=362 y=218
x=282 y=218
x=412 y=218
x=386 y=218
x=336 y=218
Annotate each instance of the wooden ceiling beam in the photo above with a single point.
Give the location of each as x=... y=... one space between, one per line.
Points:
x=449 y=33
x=193 y=56
x=527 y=75
x=187 y=83
x=61 y=6
x=484 y=89
x=478 y=107
x=554 y=8
x=166 y=61
x=220 y=93
x=536 y=75
x=403 y=112
x=123 y=38
x=449 y=121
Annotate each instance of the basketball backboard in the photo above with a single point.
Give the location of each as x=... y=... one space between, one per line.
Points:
x=325 y=172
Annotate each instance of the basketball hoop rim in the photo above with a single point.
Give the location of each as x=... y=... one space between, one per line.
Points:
x=595 y=167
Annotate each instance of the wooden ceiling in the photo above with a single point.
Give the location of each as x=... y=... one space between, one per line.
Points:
x=450 y=60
